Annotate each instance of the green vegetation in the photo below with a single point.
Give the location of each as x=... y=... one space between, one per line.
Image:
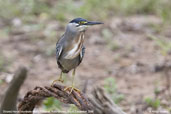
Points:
x=110 y=87
x=1 y=81
x=51 y=104
x=156 y=91
x=2 y=63
x=5 y=62
x=28 y=10
x=35 y=15
x=73 y=109
x=154 y=103
x=107 y=35
x=165 y=46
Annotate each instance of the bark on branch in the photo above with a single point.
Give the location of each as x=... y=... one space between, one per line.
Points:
x=98 y=103
x=102 y=103
x=39 y=93
x=10 y=97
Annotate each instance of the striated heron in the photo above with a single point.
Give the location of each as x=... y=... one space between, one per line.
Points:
x=70 y=49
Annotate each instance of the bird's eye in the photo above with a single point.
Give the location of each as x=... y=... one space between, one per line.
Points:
x=82 y=22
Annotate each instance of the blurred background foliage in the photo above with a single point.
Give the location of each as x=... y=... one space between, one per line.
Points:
x=45 y=16
x=28 y=10
x=35 y=15
x=110 y=87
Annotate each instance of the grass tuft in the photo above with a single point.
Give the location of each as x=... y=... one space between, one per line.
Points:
x=111 y=89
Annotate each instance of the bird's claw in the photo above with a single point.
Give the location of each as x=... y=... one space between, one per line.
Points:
x=71 y=88
x=59 y=80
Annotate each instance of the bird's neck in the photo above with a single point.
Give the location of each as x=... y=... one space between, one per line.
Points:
x=79 y=37
x=72 y=35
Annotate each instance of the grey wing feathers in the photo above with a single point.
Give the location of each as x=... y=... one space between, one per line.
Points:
x=58 y=50
x=82 y=53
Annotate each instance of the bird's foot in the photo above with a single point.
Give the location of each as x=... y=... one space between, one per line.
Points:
x=59 y=80
x=70 y=89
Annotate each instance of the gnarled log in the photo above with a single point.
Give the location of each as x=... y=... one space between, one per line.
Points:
x=102 y=103
x=39 y=93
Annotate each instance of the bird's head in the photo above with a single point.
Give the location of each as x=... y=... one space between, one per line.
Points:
x=80 y=24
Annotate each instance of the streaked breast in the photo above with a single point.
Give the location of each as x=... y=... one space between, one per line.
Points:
x=76 y=47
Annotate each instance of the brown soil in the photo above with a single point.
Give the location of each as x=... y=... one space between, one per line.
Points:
x=132 y=63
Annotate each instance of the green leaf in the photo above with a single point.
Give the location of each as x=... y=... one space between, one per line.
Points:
x=51 y=104
x=154 y=103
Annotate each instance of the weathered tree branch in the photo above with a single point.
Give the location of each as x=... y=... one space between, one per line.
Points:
x=39 y=93
x=102 y=103
x=10 y=96
x=98 y=103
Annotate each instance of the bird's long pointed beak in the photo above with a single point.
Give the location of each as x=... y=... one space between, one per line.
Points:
x=93 y=23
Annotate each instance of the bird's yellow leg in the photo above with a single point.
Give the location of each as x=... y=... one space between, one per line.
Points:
x=60 y=79
x=72 y=87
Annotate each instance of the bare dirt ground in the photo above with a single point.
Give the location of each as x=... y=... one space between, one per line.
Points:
x=132 y=62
